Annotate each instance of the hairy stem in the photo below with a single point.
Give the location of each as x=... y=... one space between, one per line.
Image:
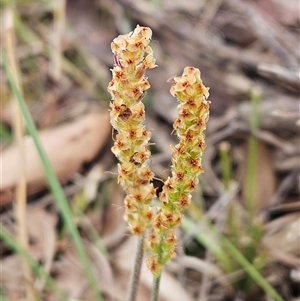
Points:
x=135 y=277
x=155 y=288
x=156 y=278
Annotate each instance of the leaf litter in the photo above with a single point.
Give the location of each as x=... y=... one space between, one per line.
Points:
x=239 y=46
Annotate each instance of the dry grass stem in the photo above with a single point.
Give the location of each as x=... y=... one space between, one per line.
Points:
x=58 y=31
x=18 y=128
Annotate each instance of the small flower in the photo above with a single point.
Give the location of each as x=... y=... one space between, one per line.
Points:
x=149 y=62
x=183 y=201
x=119 y=44
x=154 y=266
x=145 y=32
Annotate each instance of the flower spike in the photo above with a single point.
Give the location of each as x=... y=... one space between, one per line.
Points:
x=193 y=112
x=132 y=56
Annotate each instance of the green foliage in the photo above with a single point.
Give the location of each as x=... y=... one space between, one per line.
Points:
x=241 y=248
x=227 y=253
x=5 y=134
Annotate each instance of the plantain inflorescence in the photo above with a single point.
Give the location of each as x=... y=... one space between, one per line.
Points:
x=193 y=112
x=132 y=56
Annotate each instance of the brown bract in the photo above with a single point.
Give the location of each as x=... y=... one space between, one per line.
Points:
x=65 y=147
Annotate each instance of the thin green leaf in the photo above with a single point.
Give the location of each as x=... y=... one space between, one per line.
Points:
x=54 y=184
x=38 y=270
x=252 y=154
x=235 y=253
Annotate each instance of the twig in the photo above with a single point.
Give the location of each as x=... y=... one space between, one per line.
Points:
x=210 y=11
x=285 y=186
x=135 y=277
x=280 y=75
x=270 y=33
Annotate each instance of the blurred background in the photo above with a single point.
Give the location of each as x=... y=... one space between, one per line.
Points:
x=58 y=54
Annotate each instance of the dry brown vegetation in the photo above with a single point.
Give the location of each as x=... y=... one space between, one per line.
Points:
x=244 y=49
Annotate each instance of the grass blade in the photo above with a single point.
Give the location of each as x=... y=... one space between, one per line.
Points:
x=9 y=240
x=54 y=184
x=188 y=225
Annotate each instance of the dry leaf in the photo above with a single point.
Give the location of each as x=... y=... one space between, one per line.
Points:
x=71 y=276
x=68 y=147
x=42 y=232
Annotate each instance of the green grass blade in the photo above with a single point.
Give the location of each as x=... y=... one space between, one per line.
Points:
x=250 y=269
x=252 y=154
x=225 y=163
x=187 y=224
x=5 y=135
x=9 y=240
x=207 y=238
x=54 y=184
x=2 y=295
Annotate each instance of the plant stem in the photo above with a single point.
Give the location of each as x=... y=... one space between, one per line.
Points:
x=156 y=279
x=155 y=289
x=225 y=163
x=135 y=276
x=252 y=154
